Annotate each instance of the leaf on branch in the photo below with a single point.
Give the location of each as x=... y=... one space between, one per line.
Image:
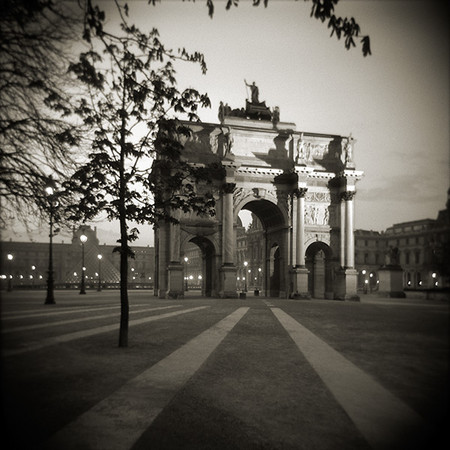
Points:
x=210 y=6
x=366 y=45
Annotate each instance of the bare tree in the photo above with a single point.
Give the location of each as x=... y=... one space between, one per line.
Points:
x=36 y=135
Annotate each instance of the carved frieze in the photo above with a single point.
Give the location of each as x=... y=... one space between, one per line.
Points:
x=308 y=151
x=317 y=214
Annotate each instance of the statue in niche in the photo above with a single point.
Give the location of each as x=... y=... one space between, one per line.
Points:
x=254 y=92
x=320 y=216
x=228 y=141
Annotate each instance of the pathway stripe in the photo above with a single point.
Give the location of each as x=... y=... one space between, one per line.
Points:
x=81 y=319
x=91 y=332
x=381 y=417
x=118 y=421
x=31 y=313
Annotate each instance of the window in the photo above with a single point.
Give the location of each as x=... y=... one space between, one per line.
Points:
x=417 y=257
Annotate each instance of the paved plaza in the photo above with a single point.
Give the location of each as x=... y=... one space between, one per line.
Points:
x=254 y=373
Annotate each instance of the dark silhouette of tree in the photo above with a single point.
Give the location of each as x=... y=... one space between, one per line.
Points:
x=36 y=139
x=131 y=108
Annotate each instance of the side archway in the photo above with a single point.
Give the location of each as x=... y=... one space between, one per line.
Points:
x=319 y=264
x=200 y=266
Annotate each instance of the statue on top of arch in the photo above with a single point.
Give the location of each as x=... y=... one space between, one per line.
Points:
x=254 y=109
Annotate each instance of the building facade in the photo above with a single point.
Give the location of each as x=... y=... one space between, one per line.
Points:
x=25 y=264
x=423 y=252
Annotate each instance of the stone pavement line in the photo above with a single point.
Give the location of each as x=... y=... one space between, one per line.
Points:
x=381 y=417
x=91 y=332
x=118 y=421
x=32 y=313
x=81 y=319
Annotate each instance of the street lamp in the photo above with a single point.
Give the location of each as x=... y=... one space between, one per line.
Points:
x=50 y=193
x=10 y=258
x=83 y=239
x=99 y=272
x=186 y=259
x=245 y=278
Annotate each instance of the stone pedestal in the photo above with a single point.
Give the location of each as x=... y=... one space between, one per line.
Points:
x=228 y=282
x=391 y=282
x=346 y=283
x=175 y=281
x=299 y=276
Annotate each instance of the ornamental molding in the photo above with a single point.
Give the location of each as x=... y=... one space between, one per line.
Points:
x=259 y=171
x=312 y=236
x=320 y=197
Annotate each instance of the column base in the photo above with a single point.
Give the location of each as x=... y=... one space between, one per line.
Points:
x=346 y=285
x=174 y=281
x=299 y=283
x=391 y=282
x=228 y=282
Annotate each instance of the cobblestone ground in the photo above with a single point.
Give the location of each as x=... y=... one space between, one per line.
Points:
x=210 y=373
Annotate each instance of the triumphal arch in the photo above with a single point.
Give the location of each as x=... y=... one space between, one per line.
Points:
x=300 y=185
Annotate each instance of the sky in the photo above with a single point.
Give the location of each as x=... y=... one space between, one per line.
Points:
x=395 y=103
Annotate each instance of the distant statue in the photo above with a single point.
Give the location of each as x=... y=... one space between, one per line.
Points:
x=221 y=112
x=392 y=256
x=301 y=149
x=349 y=150
x=276 y=115
x=254 y=92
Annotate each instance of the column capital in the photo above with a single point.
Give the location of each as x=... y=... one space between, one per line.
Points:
x=300 y=192
x=347 y=195
x=228 y=188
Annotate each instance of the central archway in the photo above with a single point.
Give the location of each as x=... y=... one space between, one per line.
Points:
x=266 y=257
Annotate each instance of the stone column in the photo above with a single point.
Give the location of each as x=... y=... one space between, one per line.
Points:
x=300 y=273
x=175 y=288
x=227 y=224
x=342 y=234
x=300 y=247
x=346 y=280
x=349 y=236
x=228 y=269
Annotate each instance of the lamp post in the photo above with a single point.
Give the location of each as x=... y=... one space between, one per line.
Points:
x=10 y=258
x=245 y=278
x=50 y=192
x=186 y=259
x=99 y=272
x=83 y=239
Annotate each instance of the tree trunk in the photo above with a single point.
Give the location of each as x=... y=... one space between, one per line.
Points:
x=124 y=306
